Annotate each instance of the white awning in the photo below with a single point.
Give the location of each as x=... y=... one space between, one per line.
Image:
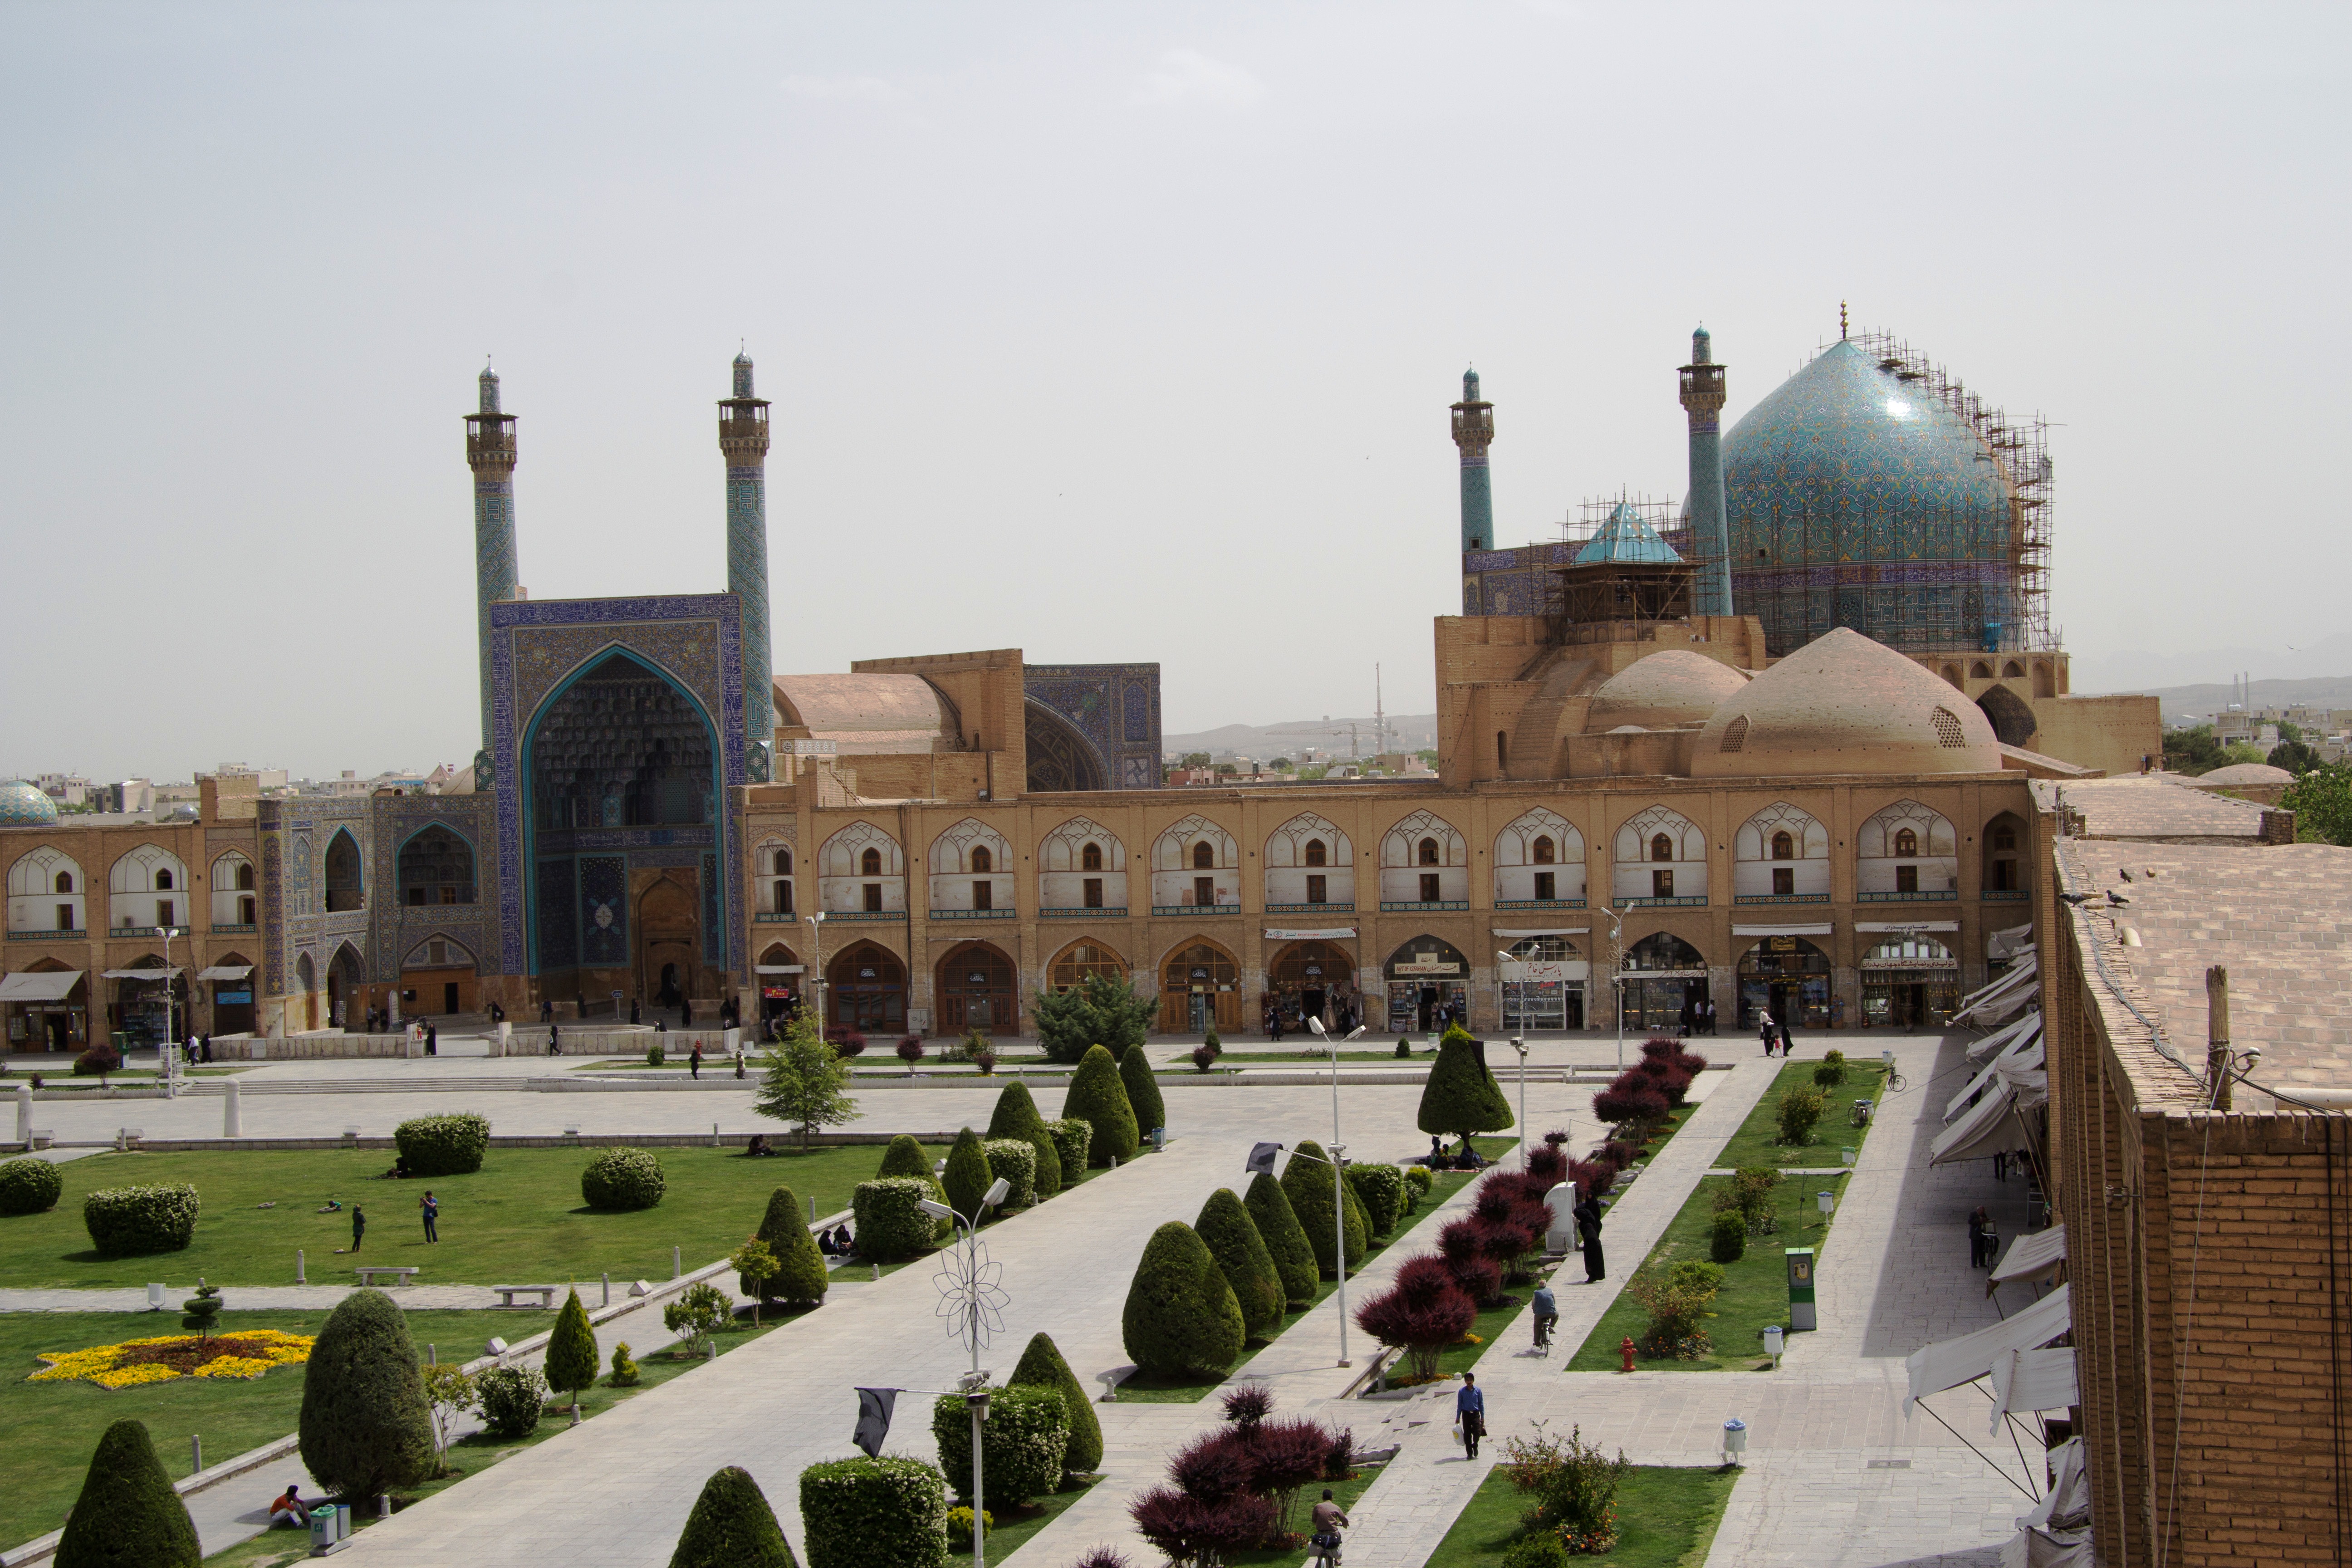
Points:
x=2000 y=1039
x=138 y=973
x=1542 y=930
x=2025 y=1050
x=2003 y=945
x=48 y=985
x=1821 y=928
x=1992 y=1123
x=225 y=972
x=2030 y=1257
x=1328 y=933
x=1906 y=925
x=1951 y=1362
x=780 y=968
x=2032 y=1380
x=2003 y=996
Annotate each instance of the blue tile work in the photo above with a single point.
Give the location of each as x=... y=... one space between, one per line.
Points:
x=398 y=928
x=559 y=921
x=716 y=934
x=1114 y=709
x=1624 y=537
x=695 y=640
x=1857 y=499
x=603 y=910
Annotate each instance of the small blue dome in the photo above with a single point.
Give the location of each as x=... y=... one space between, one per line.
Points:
x=1626 y=538
x=24 y=805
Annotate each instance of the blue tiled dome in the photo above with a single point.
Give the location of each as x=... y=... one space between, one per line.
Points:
x=1857 y=499
x=1625 y=537
x=23 y=805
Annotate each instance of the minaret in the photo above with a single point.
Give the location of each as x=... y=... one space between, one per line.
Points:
x=743 y=438
x=1710 y=537
x=490 y=453
x=1474 y=432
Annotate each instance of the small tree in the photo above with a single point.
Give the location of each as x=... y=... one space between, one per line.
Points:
x=1798 y=1112
x=201 y=1309
x=1677 y=1297
x=1042 y=1367
x=1097 y=1097
x=1016 y=1117
x=624 y=1371
x=1142 y=1091
x=967 y=1177
x=2321 y=799
x=365 y=1426
x=694 y=1317
x=1231 y=1236
x=572 y=1352
x=1097 y=1011
x=755 y=1265
x=1181 y=1316
x=1308 y=1182
x=805 y=1083
x=1286 y=1240
x=1574 y=1484
x=731 y=1527
x=1461 y=1096
x=128 y=1513
x=1421 y=1314
x=800 y=1273
x=450 y=1392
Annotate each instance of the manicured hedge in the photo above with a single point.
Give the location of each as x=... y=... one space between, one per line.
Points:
x=1098 y=1094
x=622 y=1178
x=890 y=1512
x=29 y=1186
x=131 y=1222
x=1142 y=1091
x=365 y=1426
x=1277 y=1225
x=968 y=1176
x=513 y=1398
x=1462 y=1095
x=127 y=1512
x=1042 y=1367
x=889 y=1224
x=1072 y=1136
x=1015 y=1160
x=784 y=1228
x=450 y=1145
x=1307 y=1182
x=1380 y=1189
x=1226 y=1229
x=1182 y=1316
x=731 y=1527
x=1022 y=1444
x=1016 y=1117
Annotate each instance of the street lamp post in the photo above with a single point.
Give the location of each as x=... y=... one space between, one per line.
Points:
x=974 y=1330
x=816 y=936
x=1519 y=1044
x=171 y=1036
x=1338 y=1185
x=1617 y=975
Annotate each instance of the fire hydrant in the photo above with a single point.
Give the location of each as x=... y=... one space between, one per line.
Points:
x=1625 y=1348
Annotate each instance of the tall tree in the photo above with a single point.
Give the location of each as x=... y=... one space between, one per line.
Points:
x=572 y=1352
x=366 y=1426
x=805 y=1081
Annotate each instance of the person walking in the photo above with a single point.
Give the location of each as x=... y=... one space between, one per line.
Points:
x=1470 y=1414
x=1764 y=1029
x=359 y=1226
x=430 y=1208
x=432 y=1040
x=694 y=1061
x=555 y=1041
x=1588 y=1233
x=1788 y=1043
x=1977 y=1222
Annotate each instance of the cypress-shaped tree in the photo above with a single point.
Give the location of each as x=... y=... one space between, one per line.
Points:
x=128 y=1516
x=1097 y=1098
x=1180 y=1318
x=1307 y=1181
x=967 y=1177
x=1016 y=1117
x=785 y=1229
x=1232 y=1238
x=1143 y=1090
x=366 y=1426
x=904 y=1157
x=1461 y=1096
x=732 y=1527
x=1042 y=1367
x=1285 y=1238
x=572 y=1352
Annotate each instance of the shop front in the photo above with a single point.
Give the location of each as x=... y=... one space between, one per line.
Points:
x=231 y=981
x=1428 y=984
x=1200 y=989
x=151 y=1003
x=865 y=989
x=978 y=989
x=1543 y=987
x=47 y=1009
x=1663 y=973
x=781 y=974
x=1787 y=975
x=1311 y=977
x=1909 y=981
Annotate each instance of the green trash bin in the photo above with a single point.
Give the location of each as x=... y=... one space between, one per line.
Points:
x=121 y=1038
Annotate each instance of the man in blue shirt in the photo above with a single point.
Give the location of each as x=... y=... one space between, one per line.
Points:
x=1547 y=1313
x=1470 y=1413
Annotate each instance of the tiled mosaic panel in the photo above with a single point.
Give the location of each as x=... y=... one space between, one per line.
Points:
x=603 y=910
x=559 y=946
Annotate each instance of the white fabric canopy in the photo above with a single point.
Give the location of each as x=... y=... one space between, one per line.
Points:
x=2026 y=1050
x=2000 y=1039
x=49 y=985
x=2032 y=1380
x=2057 y=1532
x=138 y=973
x=2003 y=996
x=1542 y=930
x=1951 y=1362
x=225 y=971
x=1991 y=1123
x=2003 y=945
x=2030 y=1257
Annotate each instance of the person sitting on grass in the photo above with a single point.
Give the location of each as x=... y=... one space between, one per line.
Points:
x=287 y=1508
x=757 y=1147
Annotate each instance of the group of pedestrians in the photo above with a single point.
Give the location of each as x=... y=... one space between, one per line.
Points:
x=1773 y=1032
x=1698 y=1017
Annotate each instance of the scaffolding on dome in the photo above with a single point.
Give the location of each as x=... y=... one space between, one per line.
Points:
x=1620 y=599
x=2020 y=446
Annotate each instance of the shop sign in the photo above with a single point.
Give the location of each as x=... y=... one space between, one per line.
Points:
x=1780 y=944
x=1426 y=966
x=233 y=998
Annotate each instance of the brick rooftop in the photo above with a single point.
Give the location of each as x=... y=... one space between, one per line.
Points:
x=2151 y=807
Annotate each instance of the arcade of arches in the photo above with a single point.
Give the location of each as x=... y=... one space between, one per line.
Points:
x=1310 y=980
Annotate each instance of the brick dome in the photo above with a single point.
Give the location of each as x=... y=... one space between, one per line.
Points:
x=1664 y=691
x=1845 y=704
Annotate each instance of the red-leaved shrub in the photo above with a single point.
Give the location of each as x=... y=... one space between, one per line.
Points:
x=1420 y=1313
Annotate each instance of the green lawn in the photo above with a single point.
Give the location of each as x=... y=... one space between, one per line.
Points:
x=1014 y=1526
x=39 y=1480
x=518 y=1220
x=1666 y=1518
x=1755 y=1289
x=1756 y=1143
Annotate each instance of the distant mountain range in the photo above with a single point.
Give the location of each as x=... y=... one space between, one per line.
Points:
x=1407 y=732
x=2198 y=681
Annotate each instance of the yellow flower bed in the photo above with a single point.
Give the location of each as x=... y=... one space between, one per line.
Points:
x=134 y=1362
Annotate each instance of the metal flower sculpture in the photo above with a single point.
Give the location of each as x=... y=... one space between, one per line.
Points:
x=972 y=1302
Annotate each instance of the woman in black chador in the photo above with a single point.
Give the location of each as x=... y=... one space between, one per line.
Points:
x=1588 y=1231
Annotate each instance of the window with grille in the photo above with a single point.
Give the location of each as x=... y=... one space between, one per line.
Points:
x=1093 y=891
x=1734 y=734
x=870 y=863
x=1947 y=728
x=1429 y=852
x=1545 y=882
x=1315 y=886
x=983 y=894
x=1906 y=879
x=1429 y=893
x=981 y=860
x=1204 y=890
x=1090 y=857
x=873 y=895
x=1315 y=852
x=1661 y=884
x=1545 y=853
x=1784 y=880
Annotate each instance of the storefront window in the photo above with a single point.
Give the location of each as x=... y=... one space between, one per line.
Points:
x=1789 y=978
x=1552 y=995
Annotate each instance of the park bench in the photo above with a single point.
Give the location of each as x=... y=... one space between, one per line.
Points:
x=370 y=1272
x=507 y=1293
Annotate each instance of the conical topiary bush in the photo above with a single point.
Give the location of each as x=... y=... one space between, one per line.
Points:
x=1142 y=1091
x=1042 y=1367
x=784 y=1228
x=1231 y=1236
x=366 y=1427
x=128 y=1516
x=1182 y=1318
x=732 y=1527
x=1461 y=1096
x=1285 y=1238
x=572 y=1352
x=967 y=1179
x=904 y=1157
x=1307 y=1182
x=1097 y=1098
x=1016 y=1117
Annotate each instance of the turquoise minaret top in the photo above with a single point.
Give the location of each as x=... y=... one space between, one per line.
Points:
x=1474 y=432
x=743 y=440
x=1702 y=399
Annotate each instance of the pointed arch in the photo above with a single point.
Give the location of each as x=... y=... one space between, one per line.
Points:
x=972 y=870
x=1424 y=861
x=1780 y=855
x=1195 y=866
x=146 y=888
x=1309 y=865
x=1540 y=862
x=440 y=950
x=861 y=869
x=46 y=891
x=1060 y=757
x=1907 y=851
x=2012 y=719
x=1081 y=865
x=233 y=889
x=1659 y=854
x=345 y=873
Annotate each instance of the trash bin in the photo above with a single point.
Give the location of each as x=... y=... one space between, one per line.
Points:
x=322 y=1526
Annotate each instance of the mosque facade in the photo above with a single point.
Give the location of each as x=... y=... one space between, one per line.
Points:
x=1637 y=792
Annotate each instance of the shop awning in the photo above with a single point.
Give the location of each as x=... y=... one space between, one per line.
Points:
x=1992 y=1123
x=2032 y=1380
x=2030 y=1257
x=1543 y=930
x=781 y=968
x=1821 y=928
x=225 y=972
x=1992 y=1002
x=2000 y=1039
x=48 y=985
x=1951 y=1362
x=138 y=973
x=2003 y=945
x=2057 y=1532
x=1327 y=933
x=2025 y=1051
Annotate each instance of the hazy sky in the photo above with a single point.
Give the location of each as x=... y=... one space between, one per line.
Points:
x=1108 y=332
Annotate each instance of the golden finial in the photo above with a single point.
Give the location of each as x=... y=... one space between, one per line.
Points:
x=1841 y=321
